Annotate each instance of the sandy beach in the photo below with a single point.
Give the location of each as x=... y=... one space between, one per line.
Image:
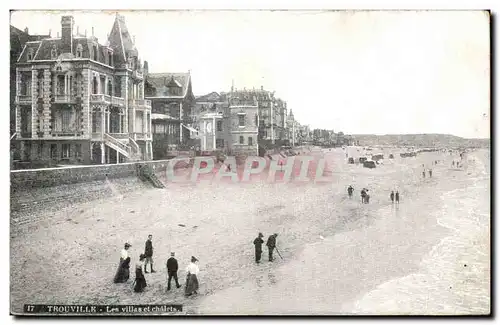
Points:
x=339 y=256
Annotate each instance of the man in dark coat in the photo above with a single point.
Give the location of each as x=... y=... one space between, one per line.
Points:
x=148 y=253
x=258 y=247
x=392 y=196
x=172 y=268
x=271 y=245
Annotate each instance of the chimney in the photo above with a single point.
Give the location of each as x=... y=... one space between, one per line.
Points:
x=146 y=68
x=261 y=87
x=67 y=23
x=26 y=30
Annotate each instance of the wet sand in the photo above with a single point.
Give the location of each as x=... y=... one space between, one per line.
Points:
x=72 y=255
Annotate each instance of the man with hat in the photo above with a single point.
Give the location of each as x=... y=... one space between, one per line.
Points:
x=148 y=253
x=172 y=268
x=258 y=247
x=271 y=244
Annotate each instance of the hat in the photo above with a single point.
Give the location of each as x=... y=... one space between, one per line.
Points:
x=128 y=245
x=260 y=234
x=172 y=254
x=193 y=259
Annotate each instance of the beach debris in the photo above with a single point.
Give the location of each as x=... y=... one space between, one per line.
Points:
x=181 y=225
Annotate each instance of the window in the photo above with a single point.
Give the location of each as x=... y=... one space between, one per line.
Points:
x=53 y=52
x=242 y=140
x=79 y=51
x=94 y=85
x=60 y=85
x=78 y=150
x=30 y=54
x=53 y=151
x=241 y=120
x=94 y=53
x=250 y=141
x=219 y=126
x=219 y=143
x=110 y=58
x=110 y=87
x=256 y=120
x=65 y=151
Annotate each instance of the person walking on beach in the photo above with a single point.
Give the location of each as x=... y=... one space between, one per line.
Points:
x=423 y=173
x=392 y=197
x=123 y=273
x=271 y=245
x=430 y=173
x=350 y=189
x=140 y=280
x=172 y=267
x=192 y=284
x=148 y=253
x=258 y=247
x=367 y=198
x=397 y=197
x=363 y=195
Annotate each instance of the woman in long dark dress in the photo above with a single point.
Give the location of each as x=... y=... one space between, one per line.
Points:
x=123 y=273
x=140 y=280
x=192 y=284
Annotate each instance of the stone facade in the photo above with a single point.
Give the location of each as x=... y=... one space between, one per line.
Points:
x=70 y=99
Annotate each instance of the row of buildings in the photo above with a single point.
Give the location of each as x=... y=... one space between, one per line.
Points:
x=75 y=100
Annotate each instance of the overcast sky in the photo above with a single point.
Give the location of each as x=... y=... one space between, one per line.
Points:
x=356 y=72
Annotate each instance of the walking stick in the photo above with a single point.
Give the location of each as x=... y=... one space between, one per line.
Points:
x=277 y=251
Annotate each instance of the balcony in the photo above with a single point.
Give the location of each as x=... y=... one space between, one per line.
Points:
x=100 y=98
x=107 y=99
x=117 y=101
x=24 y=99
x=139 y=136
x=64 y=99
x=67 y=133
x=142 y=103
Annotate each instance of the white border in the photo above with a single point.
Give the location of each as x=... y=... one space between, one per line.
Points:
x=187 y=4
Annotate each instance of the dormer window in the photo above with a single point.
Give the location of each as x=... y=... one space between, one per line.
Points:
x=79 y=51
x=30 y=54
x=53 y=52
x=94 y=52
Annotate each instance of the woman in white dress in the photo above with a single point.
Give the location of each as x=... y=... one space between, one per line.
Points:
x=192 y=271
x=123 y=272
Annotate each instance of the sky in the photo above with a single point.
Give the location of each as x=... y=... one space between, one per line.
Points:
x=359 y=72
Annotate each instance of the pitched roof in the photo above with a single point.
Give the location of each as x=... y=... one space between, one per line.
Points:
x=121 y=41
x=158 y=84
x=211 y=97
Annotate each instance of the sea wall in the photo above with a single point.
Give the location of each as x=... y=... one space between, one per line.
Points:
x=21 y=180
x=54 y=188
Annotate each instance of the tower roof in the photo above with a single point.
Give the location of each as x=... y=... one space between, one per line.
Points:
x=120 y=40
